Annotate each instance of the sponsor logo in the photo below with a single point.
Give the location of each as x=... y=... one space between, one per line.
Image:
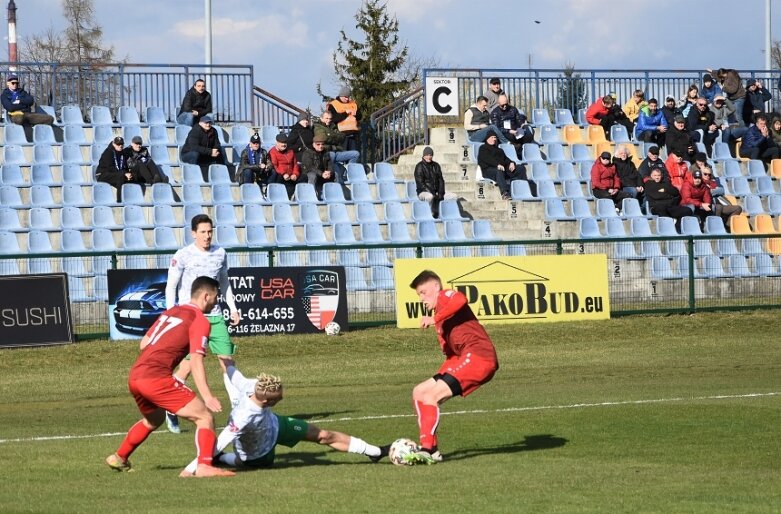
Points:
x=320 y=296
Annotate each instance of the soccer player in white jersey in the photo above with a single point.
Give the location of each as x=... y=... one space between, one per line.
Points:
x=255 y=430
x=202 y=258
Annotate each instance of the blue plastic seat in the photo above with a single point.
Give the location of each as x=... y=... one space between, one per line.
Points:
x=588 y=228
x=756 y=169
x=539 y=171
x=181 y=132
x=421 y=211
x=619 y=134
x=305 y=193
x=581 y=208
x=38 y=242
x=159 y=154
x=133 y=239
x=309 y=213
x=388 y=192
x=371 y=234
x=581 y=153
x=715 y=225
x=11 y=175
x=549 y=134
x=282 y=213
x=427 y=231
x=192 y=194
x=14 y=154
x=383 y=172
x=765 y=186
x=732 y=169
x=531 y=152
x=563 y=117
x=737 y=266
x=9 y=220
x=348 y=258
x=163 y=216
x=240 y=134
x=71 y=115
x=726 y=247
x=739 y=186
x=165 y=238
x=337 y=213
x=556 y=153
x=365 y=211
x=333 y=193
x=665 y=226
x=355 y=173
x=394 y=212
x=277 y=193
x=154 y=116
x=41 y=196
x=398 y=232
x=361 y=192
x=614 y=227
x=133 y=216
x=131 y=131
x=314 y=235
x=690 y=226
x=254 y=214
x=450 y=210
x=625 y=250
x=703 y=247
x=225 y=215
x=630 y=208
x=343 y=233
x=101 y=136
x=103 y=217
x=158 y=136
x=519 y=190
x=223 y=194
x=606 y=208
x=72 y=218
x=10 y=196
x=454 y=231
x=43 y=154
x=251 y=194
x=711 y=267
x=256 y=237
x=9 y=244
x=752 y=205
x=554 y=210
x=218 y=174
x=100 y=115
x=764 y=266
x=71 y=241
x=752 y=247
x=675 y=248
x=163 y=194
x=640 y=227
x=565 y=170
x=382 y=277
x=72 y=154
x=356 y=280
x=133 y=194
x=721 y=152
x=662 y=269
x=572 y=190
x=227 y=236
x=540 y=117
x=128 y=115
x=482 y=231
x=44 y=134
x=190 y=211
x=14 y=135
x=285 y=235
x=377 y=257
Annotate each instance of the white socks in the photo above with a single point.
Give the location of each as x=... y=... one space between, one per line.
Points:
x=229 y=458
x=362 y=447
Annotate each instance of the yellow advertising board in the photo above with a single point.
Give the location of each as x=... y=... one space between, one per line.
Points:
x=512 y=289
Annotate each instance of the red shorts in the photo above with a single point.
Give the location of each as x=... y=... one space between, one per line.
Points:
x=156 y=393
x=470 y=371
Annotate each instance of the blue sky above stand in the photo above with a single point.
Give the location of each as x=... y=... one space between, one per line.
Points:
x=290 y=42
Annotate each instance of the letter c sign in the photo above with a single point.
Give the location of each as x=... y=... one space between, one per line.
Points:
x=441 y=96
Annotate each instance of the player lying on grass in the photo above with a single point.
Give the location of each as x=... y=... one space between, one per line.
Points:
x=178 y=331
x=470 y=357
x=255 y=430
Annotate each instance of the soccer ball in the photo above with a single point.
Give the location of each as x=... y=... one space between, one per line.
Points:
x=333 y=328
x=401 y=448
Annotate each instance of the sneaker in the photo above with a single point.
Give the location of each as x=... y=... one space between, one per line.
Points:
x=172 y=422
x=116 y=463
x=425 y=457
x=383 y=453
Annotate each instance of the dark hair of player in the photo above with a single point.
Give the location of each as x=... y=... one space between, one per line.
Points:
x=198 y=219
x=423 y=277
x=203 y=283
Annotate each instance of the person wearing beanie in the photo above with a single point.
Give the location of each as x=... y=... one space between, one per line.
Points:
x=346 y=115
x=197 y=103
x=300 y=136
x=112 y=167
x=202 y=147
x=430 y=183
x=678 y=140
x=254 y=166
x=710 y=88
x=670 y=110
x=284 y=164
x=756 y=98
x=317 y=165
x=605 y=182
x=141 y=164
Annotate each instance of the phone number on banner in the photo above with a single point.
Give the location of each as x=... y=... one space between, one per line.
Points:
x=256 y=320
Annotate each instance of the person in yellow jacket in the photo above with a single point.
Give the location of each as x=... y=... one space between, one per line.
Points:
x=634 y=105
x=346 y=115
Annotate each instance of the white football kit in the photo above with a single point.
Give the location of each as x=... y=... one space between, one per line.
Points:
x=190 y=263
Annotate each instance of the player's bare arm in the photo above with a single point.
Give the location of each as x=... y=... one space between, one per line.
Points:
x=199 y=376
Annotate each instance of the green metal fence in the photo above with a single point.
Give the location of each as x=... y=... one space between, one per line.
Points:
x=646 y=275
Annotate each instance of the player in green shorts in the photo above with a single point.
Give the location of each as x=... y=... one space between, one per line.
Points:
x=255 y=430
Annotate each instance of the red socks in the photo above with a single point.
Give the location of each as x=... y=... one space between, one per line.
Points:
x=205 y=440
x=135 y=436
x=428 y=420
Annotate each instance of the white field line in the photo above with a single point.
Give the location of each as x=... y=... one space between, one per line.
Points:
x=453 y=413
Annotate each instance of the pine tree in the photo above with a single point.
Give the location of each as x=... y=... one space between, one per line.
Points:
x=572 y=91
x=372 y=67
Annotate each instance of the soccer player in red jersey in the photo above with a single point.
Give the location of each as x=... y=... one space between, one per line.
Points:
x=470 y=357
x=178 y=331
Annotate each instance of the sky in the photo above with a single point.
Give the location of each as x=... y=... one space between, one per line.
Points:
x=290 y=43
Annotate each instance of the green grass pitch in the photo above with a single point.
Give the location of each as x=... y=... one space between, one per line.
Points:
x=639 y=414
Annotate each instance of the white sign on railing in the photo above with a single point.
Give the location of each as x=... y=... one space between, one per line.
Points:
x=442 y=96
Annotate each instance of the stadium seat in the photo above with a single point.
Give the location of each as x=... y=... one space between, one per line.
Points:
x=72 y=218
x=333 y=192
x=548 y=134
x=366 y=212
x=394 y=212
x=454 y=231
x=256 y=236
x=382 y=277
x=163 y=216
x=581 y=208
x=519 y=190
x=450 y=210
x=421 y=211
x=756 y=169
x=630 y=208
x=665 y=226
x=606 y=208
x=251 y=194
x=159 y=154
x=343 y=233
x=427 y=231
x=11 y=175
x=225 y=215
x=284 y=235
x=715 y=225
x=625 y=250
x=545 y=189
x=712 y=267
x=71 y=115
x=739 y=186
x=619 y=134
x=9 y=220
x=765 y=186
x=614 y=227
x=158 y=135
x=128 y=115
x=752 y=205
x=482 y=231
x=131 y=131
x=44 y=134
x=282 y=213
x=133 y=239
x=14 y=135
x=305 y=193
x=310 y=213
x=154 y=116
x=72 y=154
x=191 y=174
x=572 y=190
x=103 y=217
x=356 y=281
x=588 y=228
x=411 y=190
x=314 y=235
x=100 y=115
x=383 y=172
x=133 y=194
x=192 y=194
x=355 y=173
x=565 y=171
x=38 y=242
x=739 y=224
x=361 y=192
x=540 y=117
x=562 y=117
x=539 y=171
x=254 y=214
x=218 y=174
x=737 y=266
x=180 y=134
x=268 y=133
x=43 y=154
x=133 y=216
x=41 y=196
x=573 y=135
x=10 y=196
x=661 y=269
x=240 y=134
x=227 y=236
x=531 y=152
x=399 y=233
x=371 y=234
x=223 y=194
x=554 y=210
x=377 y=257
x=764 y=266
x=595 y=134
x=14 y=154
x=690 y=226
x=388 y=192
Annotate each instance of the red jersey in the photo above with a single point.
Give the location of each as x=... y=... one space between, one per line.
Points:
x=179 y=331
x=458 y=330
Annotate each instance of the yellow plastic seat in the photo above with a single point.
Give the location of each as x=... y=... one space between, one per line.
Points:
x=573 y=135
x=738 y=224
x=595 y=134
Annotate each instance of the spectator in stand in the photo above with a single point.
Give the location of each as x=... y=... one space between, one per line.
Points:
x=652 y=162
x=300 y=136
x=140 y=163
x=721 y=206
x=254 y=166
x=634 y=105
x=689 y=99
x=284 y=164
x=678 y=140
x=756 y=97
x=775 y=129
x=334 y=144
x=202 y=147
x=723 y=109
x=696 y=196
x=477 y=122
x=605 y=182
x=430 y=183
x=670 y=111
x=677 y=170
x=651 y=124
x=495 y=165
x=196 y=104
x=493 y=93
x=317 y=165
x=606 y=113
x=513 y=123
x=702 y=118
x=346 y=115
x=757 y=143
x=699 y=162
x=631 y=181
x=732 y=86
x=113 y=168
x=710 y=88
x=18 y=105
x=664 y=199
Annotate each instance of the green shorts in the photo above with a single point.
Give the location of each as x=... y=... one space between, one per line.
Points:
x=291 y=432
x=219 y=339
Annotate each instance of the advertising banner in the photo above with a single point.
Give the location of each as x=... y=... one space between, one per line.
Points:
x=35 y=310
x=512 y=289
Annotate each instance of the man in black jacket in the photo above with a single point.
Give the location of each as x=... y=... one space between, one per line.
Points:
x=664 y=199
x=197 y=103
x=300 y=136
x=702 y=118
x=495 y=165
x=429 y=182
x=18 y=105
x=254 y=166
x=202 y=147
x=652 y=162
x=678 y=140
x=141 y=164
x=113 y=167
x=317 y=165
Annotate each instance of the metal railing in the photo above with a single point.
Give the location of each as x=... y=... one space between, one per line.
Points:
x=684 y=284
x=139 y=86
x=398 y=127
x=269 y=109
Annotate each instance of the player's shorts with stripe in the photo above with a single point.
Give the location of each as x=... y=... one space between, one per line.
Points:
x=167 y=393
x=470 y=371
x=219 y=339
x=291 y=432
